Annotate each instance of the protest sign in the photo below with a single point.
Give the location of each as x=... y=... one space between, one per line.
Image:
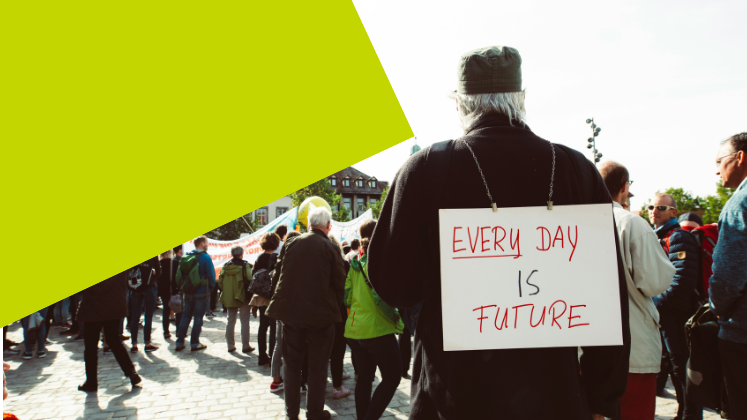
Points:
x=529 y=277
x=347 y=231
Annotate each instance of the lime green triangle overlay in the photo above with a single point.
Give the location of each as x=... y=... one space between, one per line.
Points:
x=131 y=128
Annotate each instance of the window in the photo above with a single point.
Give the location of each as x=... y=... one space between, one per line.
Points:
x=361 y=205
x=346 y=182
x=261 y=214
x=279 y=211
x=372 y=183
x=333 y=181
x=372 y=201
x=347 y=203
x=359 y=183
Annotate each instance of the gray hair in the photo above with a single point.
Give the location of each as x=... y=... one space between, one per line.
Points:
x=320 y=217
x=237 y=251
x=167 y=254
x=472 y=107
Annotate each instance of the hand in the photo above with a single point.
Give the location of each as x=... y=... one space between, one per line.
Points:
x=597 y=417
x=254 y=311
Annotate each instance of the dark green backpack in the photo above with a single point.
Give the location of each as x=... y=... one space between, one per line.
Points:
x=188 y=274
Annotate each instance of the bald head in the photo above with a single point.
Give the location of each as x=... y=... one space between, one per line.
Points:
x=660 y=217
x=616 y=179
x=665 y=200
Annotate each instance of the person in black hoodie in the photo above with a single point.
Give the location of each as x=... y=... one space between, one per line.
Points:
x=103 y=305
x=517 y=384
x=143 y=281
x=166 y=288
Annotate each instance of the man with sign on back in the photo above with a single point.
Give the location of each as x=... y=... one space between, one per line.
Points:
x=500 y=155
x=648 y=273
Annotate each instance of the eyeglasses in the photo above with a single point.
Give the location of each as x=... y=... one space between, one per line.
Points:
x=720 y=160
x=630 y=183
x=661 y=208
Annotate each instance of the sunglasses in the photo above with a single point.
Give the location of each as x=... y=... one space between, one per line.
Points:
x=661 y=208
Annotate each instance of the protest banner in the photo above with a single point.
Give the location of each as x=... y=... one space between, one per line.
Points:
x=529 y=277
x=220 y=251
x=347 y=231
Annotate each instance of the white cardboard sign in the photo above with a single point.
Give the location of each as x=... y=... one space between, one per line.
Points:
x=529 y=277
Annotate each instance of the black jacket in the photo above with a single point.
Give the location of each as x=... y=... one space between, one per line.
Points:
x=167 y=280
x=149 y=281
x=684 y=254
x=105 y=301
x=309 y=282
x=537 y=383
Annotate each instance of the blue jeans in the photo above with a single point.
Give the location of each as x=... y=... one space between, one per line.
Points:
x=61 y=310
x=138 y=298
x=194 y=308
x=382 y=352
x=41 y=333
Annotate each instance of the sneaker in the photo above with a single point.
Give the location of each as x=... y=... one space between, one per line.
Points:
x=27 y=356
x=124 y=337
x=134 y=349
x=277 y=387
x=199 y=347
x=86 y=387
x=79 y=337
x=248 y=349
x=41 y=354
x=210 y=314
x=150 y=347
x=10 y=351
x=135 y=378
x=107 y=350
x=341 y=393
x=167 y=336
x=48 y=343
x=179 y=348
x=304 y=389
x=232 y=349
x=263 y=360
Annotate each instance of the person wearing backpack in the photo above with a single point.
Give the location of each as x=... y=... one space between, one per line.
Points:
x=728 y=285
x=143 y=282
x=233 y=281
x=370 y=330
x=680 y=301
x=264 y=265
x=707 y=237
x=196 y=278
x=166 y=289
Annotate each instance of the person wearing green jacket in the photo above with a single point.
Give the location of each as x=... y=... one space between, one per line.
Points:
x=233 y=281
x=370 y=330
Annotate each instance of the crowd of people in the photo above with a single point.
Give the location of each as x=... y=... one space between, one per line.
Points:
x=316 y=296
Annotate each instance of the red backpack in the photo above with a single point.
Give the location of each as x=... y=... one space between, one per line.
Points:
x=706 y=237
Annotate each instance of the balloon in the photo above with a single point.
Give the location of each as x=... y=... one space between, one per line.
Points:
x=305 y=208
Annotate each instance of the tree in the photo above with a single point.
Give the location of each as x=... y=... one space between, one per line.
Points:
x=233 y=229
x=710 y=206
x=376 y=207
x=322 y=188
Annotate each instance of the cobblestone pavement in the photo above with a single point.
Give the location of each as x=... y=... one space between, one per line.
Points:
x=209 y=384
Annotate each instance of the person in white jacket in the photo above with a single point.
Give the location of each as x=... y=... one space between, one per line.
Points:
x=648 y=273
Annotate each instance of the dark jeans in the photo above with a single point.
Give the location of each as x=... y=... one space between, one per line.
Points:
x=166 y=322
x=75 y=300
x=672 y=323
x=338 y=354
x=265 y=323
x=382 y=352
x=39 y=336
x=90 y=354
x=734 y=363
x=138 y=298
x=317 y=341
x=213 y=299
x=194 y=308
x=405 y=349
x=48 y=319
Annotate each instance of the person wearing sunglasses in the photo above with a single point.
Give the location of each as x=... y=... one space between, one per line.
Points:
x=680 y=301
x=728 y=284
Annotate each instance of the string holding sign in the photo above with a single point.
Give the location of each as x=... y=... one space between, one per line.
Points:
x=485 y=182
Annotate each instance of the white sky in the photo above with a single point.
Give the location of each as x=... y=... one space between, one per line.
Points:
x=665 y=81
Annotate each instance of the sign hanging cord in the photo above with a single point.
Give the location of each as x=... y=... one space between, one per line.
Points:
x=485 y=182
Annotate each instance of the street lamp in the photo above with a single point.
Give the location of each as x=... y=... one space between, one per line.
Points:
x=593 y=141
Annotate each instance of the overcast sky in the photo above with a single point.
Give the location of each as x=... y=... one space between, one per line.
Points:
x=666 y=81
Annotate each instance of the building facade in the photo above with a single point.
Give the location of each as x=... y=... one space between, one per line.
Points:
x=272 y=211
x=357 y=189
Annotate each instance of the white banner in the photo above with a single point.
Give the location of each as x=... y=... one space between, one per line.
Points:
x=529 y=277
x=347 y=231
x=220 y=251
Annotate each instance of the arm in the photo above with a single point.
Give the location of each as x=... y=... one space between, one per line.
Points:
x=279 y=265
x=686 y=273
x=348 y=299
x=728 y=283
x=220 y=279
x=396 y=279
x=155 y=263
x=210 y=270
x=338 y=275
x=652 y=270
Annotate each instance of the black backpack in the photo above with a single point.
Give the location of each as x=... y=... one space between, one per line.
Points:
x=135 y=279
x=262 y=280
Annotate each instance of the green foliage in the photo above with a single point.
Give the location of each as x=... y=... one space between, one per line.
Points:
x=233 y=229
x=710 y=206
x=376 y=208
x=322 y=188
